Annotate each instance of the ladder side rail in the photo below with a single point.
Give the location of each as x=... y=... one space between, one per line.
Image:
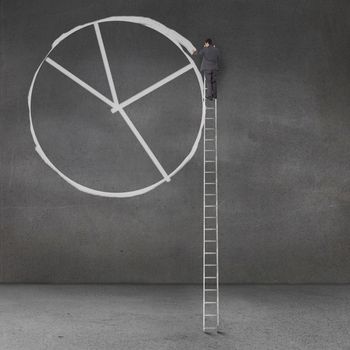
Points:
x=204 y=180
x=217 y=217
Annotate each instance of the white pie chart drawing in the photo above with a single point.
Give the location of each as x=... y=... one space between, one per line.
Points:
x=117 y=106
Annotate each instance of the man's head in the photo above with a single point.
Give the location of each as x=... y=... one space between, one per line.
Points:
x=208 y=42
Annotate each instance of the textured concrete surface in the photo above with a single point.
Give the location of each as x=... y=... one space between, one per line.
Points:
x=284 y=145
x=155 y=317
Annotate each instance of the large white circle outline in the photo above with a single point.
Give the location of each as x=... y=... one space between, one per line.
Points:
x=181 y=43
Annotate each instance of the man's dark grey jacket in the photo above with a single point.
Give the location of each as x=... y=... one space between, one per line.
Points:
x=210 y=56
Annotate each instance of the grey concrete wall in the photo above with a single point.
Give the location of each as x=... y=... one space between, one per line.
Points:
x=284 y=144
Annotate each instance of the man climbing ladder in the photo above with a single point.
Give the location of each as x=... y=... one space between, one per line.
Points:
x=210 y=66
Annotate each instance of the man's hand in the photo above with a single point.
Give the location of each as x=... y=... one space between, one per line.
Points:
x=194 y=52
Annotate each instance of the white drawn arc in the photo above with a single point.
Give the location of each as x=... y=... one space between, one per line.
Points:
x=181 y=43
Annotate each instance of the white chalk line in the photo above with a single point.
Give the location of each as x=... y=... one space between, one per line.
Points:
x=79 y=81
x=106 y=63
x=152 y=88
x=144 y=145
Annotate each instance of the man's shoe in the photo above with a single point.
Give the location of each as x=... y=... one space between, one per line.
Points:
x=209 y=98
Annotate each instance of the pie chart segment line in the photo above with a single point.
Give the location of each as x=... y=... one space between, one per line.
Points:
x=80 y=82
x=122 y=112
x=151 y=88
x=106 y=63
x=144 y=145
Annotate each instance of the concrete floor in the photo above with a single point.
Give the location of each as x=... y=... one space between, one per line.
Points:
x=169 y=317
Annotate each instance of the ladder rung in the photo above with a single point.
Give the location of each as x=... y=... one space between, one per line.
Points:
x=210 y=217
x=209 y=139
x=210 y=315
x=209 y=328
x=210 y=194
x=210 y=290
x=210 y=302
x=210 y=161
x=209 y=264
x=210 y=206
x=210 y=240
x=210 y=108
x=209 y=128
x=210 y=253
x=210 y=183
x=209 y=118
x=210 y=277
x=210 y=172
x=210 y=150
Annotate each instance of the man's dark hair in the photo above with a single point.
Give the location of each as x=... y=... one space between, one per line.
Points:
x=209 y=41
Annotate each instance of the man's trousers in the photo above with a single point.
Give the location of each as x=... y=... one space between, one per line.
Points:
x=210 y=77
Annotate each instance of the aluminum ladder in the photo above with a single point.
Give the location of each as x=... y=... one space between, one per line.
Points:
x=210 y=218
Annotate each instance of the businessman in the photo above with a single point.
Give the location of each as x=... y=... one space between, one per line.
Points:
x=209 y=66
